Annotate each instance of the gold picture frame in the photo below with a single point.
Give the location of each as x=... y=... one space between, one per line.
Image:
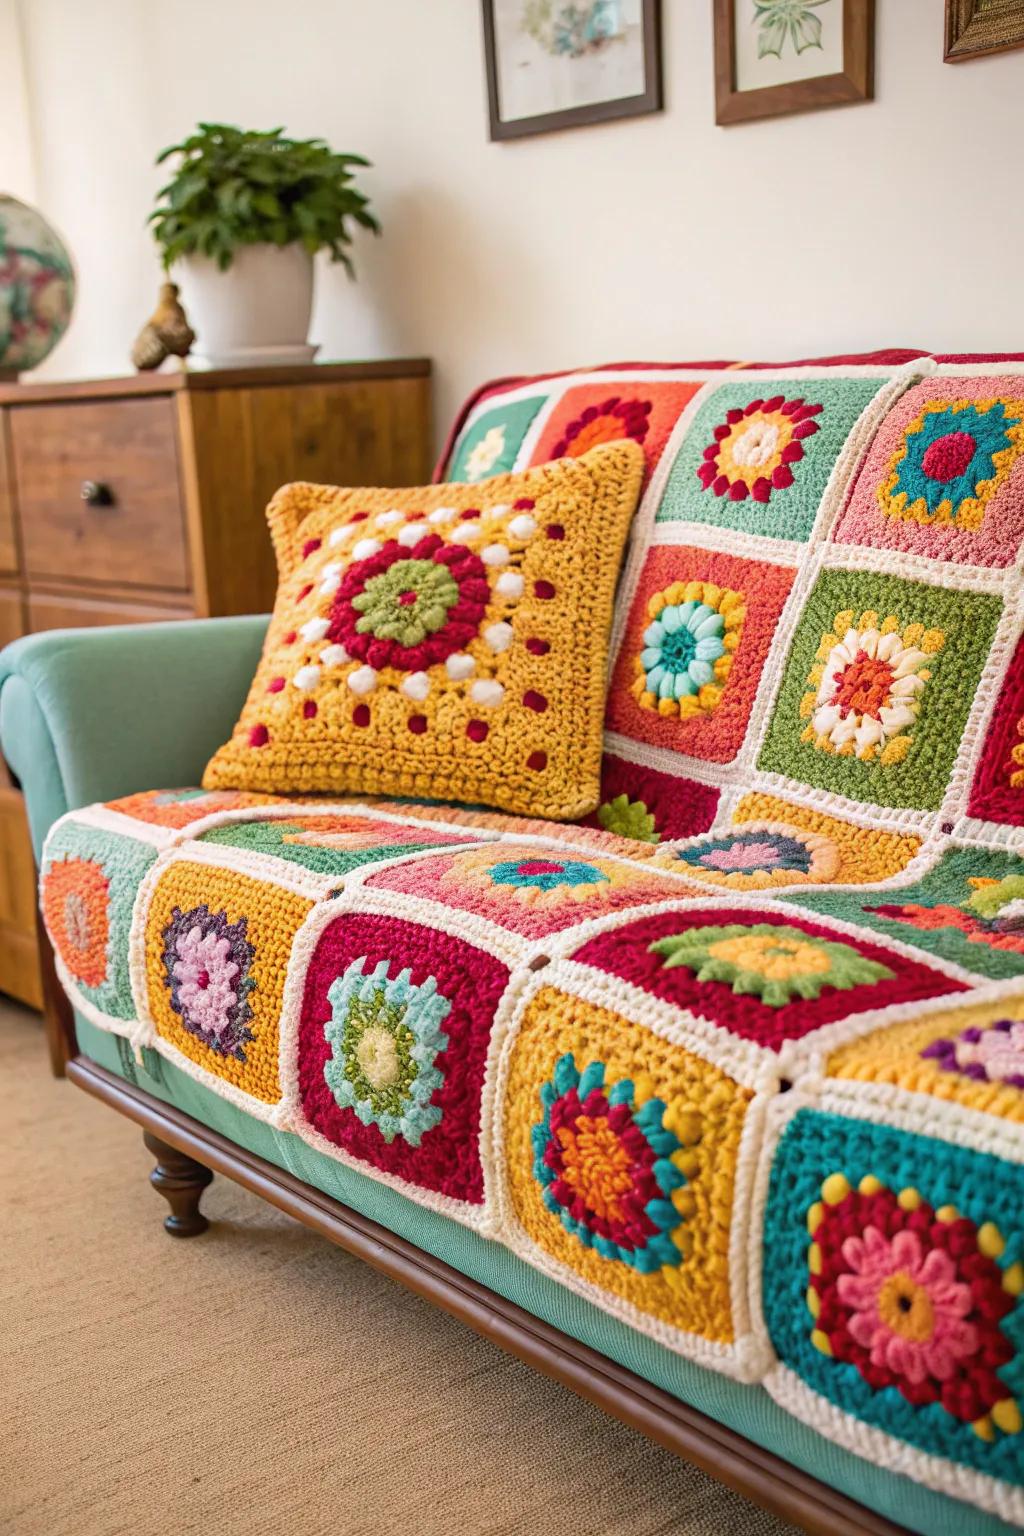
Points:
x=975 y=28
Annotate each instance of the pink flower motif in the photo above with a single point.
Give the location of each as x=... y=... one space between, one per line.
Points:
x=742 y=856
x=908 y=1308
x=206 y=975
x=999 y=1051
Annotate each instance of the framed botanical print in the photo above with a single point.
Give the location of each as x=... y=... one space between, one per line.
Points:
x=777 y=56
x=562 y=63
x=977 y=27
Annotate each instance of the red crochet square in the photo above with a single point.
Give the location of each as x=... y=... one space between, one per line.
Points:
x=643 y=803
x=375 y=979
x=997 y=793
x=765 y=986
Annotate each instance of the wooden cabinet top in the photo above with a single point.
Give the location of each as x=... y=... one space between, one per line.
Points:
x=214 y=378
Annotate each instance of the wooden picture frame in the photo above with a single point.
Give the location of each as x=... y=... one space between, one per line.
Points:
x=855 y=81
x=974 y=28
x=649 y=99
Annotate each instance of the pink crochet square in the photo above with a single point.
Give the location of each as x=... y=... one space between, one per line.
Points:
x=944 y=476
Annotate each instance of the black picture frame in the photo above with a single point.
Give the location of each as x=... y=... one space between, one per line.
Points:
x=650 y=98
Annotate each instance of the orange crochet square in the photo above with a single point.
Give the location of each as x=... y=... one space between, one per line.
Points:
x=448 y=642
x=699 y=631
x=600 y=413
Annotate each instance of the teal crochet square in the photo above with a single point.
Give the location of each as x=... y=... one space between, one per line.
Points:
x=88 y=886
x=878 y=686
x=964 y=909
x=891 y=1269
x=758 y=454
x=490 y=444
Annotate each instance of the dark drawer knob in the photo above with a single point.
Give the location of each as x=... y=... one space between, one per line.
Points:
x=95 y=494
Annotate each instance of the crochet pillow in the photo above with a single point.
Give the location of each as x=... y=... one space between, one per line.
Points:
x=448 y=642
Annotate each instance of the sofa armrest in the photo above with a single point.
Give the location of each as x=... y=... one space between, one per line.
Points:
x=91 y=714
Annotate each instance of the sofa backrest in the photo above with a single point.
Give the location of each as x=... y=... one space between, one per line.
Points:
x=821 y=607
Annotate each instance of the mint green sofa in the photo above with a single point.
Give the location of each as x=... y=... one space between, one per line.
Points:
x=90 y=715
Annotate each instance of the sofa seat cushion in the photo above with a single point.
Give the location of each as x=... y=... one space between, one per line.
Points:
x=772 y=1122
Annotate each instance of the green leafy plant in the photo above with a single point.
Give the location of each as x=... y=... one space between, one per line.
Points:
x=234 y=187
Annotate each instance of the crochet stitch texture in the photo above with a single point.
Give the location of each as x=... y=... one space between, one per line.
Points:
x=738 y=1057
x=447 y=642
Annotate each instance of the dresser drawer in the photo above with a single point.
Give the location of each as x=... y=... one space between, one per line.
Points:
x=58 y=610
x=131 y=531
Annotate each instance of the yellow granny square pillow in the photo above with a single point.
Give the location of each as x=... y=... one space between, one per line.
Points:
x=448 y=642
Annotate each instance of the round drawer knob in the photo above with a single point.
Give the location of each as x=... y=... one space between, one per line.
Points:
x=95 y=494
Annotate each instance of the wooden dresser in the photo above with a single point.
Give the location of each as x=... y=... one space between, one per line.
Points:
x=128 y=500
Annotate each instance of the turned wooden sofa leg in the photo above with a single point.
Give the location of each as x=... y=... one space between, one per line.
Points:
x=181 y=1181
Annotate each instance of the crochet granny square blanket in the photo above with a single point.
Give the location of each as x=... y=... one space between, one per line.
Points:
x=764 y=1017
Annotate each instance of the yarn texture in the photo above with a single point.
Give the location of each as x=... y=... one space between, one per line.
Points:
x=736 y=1054
x=448 y=642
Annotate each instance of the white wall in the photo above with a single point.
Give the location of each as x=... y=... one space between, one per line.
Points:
x=896 y=222
x=17 y=169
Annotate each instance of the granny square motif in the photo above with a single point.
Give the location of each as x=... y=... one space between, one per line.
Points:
x=699 y=631
x=758 y=455
x=448 y=642
x=491 y=443
x=764 y=974
x=590 y=414
x=945 y=475
x=391 y=1053
x=966 y=908
x=878 y=686
x=891 y=1293
x=620 y=1153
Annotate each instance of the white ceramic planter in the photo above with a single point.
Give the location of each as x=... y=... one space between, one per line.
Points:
x=256 y=313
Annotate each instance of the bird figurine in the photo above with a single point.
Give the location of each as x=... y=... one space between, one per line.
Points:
x=166 y=333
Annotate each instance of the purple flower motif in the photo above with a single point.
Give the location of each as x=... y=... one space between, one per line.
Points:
x=206 y=964
x=993 y=1055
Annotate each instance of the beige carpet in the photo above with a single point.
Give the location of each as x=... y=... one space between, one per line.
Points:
x=257 y=1379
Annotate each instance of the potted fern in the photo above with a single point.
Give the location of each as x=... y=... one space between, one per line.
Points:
x=240 y=222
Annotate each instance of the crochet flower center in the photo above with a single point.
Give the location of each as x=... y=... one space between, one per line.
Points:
x=776 y=959
x=864 y=686
x=951 y=462
x=869 y=678
x=607 y=1167
x=407 y=602
x=680 y=649
x=207 y=962
x=948 y=456
x=387 y=1042
x=596 y=1164
x=410 y=608
x=913 y=1298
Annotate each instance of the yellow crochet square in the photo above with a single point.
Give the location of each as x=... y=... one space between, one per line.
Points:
x=448 y=642
x=620 y=1160
x=217 y=948
x=972 y=1056
x=856 y=855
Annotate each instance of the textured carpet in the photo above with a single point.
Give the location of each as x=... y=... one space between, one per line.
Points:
x=257 y=1379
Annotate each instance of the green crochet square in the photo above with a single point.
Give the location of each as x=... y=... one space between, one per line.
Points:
x=878 y=686
x=490 y=444
x=758 y=454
